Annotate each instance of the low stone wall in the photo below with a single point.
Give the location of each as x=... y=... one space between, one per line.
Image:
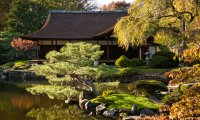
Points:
x=132 y=78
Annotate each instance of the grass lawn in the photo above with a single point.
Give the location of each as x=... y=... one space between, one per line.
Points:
x=126 y=101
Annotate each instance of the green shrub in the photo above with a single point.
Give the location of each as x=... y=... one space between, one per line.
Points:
x=122 y=62
x=164 y=59
x=98 y=99
x=126 y=72
x=108 y=93
x=159 y=62
x=165 y=53
x=107 y=71
x=147 y=87
x=102 y=71
x=21 y=65
x=8 y=65
x=136 y=62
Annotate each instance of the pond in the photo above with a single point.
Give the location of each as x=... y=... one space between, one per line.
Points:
x=17 y=104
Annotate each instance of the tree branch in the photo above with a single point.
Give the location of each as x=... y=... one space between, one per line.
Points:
x=79 y=89
x=90 y=85
x=166 y=16
x=175 y=29
x=180 y=14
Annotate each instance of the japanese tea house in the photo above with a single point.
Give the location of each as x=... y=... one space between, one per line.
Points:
x=89 y=26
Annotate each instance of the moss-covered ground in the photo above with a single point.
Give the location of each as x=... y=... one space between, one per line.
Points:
x=126 y=101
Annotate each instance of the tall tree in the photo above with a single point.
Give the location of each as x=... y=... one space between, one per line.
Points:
x=5 y=6
x=119 y=5
x=27 y=16
x=175 y=20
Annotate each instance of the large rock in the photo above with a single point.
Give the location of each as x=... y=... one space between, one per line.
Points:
x=86 y=95
x=123 y=115
x=131 y=118
x=71 y=101
x=110 y=113
x=134 y=110
x=90 y=106
x=146 y=112
x=82 y=103
x=121 y=110
x=101 y=108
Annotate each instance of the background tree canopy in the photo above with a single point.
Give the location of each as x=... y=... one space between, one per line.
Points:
x=118 y=5
x=7 y=53
x=5 y=6
x=169 y=21
x=26 y=16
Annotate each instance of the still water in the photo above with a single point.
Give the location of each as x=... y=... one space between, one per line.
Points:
x=17 y=104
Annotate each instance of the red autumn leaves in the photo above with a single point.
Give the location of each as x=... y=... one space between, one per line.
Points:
x=23 y=45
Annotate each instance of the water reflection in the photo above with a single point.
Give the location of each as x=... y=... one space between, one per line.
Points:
x=17 y=104
x=24 y=102
x=58 y=112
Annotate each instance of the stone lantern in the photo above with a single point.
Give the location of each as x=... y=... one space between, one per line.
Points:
x=96 y=63
x=147 y=59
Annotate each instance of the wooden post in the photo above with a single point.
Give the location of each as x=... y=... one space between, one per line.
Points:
x=56 y=45
x=51 y=42
x=108 y=50
x=140 y=52
x=37 y=51
x=97 y=42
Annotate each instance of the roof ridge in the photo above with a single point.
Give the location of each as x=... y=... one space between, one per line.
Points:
x=85 y=12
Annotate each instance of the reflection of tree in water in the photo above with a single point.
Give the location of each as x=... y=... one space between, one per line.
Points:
x=24 y=102
x=58 y=112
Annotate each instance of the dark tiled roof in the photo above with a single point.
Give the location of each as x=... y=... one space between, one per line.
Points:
x=77 y=25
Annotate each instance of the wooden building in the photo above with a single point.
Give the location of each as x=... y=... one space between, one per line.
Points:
x=89 y=26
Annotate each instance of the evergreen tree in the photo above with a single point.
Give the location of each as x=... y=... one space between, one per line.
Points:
x=66 y=68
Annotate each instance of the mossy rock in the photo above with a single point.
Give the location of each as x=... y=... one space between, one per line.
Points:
x=147 y=87
x=126 y=101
